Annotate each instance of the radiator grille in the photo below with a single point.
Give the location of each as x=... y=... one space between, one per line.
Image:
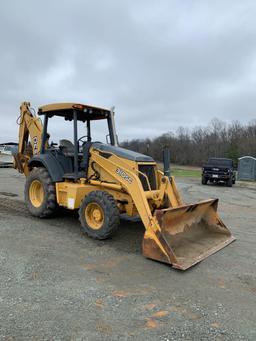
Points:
x=149 y=171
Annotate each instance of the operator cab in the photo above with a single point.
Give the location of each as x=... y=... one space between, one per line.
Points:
x=70 y=159
x=74 y=155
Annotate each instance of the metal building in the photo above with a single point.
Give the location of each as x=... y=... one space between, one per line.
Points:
x=247 y=168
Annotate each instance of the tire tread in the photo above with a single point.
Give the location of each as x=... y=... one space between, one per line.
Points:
x=50 y=203
x=106 y=201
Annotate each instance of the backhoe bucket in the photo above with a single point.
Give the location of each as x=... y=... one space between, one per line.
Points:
x=188 y=234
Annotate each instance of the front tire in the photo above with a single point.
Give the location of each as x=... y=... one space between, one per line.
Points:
x=230 y=182
x=99 y=215
x=204 y=181
x=40 y=193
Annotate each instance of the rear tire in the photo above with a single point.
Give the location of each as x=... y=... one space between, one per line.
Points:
x=230 y=182
x=204 y=181
x=40 y=193
x=99 y=215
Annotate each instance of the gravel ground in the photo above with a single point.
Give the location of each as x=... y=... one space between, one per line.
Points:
x=56 y=284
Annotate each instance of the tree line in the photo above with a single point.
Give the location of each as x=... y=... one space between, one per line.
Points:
x=194 y=146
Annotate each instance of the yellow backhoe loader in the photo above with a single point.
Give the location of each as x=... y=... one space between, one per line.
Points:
x=103 y=181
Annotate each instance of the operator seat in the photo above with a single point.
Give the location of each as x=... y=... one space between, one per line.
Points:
x=67 y=147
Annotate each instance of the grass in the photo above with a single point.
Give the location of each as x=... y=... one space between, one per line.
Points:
x=183 y=171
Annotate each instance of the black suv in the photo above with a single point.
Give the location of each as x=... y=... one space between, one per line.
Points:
x=219 y=170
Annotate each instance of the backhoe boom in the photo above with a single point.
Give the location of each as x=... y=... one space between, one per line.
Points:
x=30 y=133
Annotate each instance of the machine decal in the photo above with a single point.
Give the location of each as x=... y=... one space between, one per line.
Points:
x=125 y=176
x=35 y=144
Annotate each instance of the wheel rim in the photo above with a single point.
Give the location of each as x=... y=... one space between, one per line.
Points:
x=36 y=193
x=94 y=216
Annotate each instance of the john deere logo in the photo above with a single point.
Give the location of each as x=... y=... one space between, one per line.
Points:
x=125 y=176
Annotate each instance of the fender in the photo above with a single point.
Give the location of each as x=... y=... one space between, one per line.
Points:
x=51 y=163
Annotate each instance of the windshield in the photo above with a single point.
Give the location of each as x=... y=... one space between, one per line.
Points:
x=60 y=129
x=220 y=162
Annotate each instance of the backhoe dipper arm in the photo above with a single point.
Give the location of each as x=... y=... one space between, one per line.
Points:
x=29 y=126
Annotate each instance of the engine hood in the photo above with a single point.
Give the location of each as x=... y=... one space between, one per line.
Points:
x=122 y=152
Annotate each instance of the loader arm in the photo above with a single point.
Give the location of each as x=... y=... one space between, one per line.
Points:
x=131 y=183
x=30 y=128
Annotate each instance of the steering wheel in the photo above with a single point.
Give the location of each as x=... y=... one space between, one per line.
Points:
x=83 y=139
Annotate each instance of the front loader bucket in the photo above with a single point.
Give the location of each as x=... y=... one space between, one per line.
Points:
x=188 y=234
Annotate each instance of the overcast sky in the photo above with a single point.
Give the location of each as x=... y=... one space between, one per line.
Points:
x=162 y=63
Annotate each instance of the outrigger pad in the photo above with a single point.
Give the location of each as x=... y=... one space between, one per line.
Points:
x=189 y=234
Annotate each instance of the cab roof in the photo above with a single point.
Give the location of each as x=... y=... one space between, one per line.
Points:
x=66 y=110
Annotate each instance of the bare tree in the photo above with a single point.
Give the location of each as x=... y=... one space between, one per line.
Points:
x=194 y=147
